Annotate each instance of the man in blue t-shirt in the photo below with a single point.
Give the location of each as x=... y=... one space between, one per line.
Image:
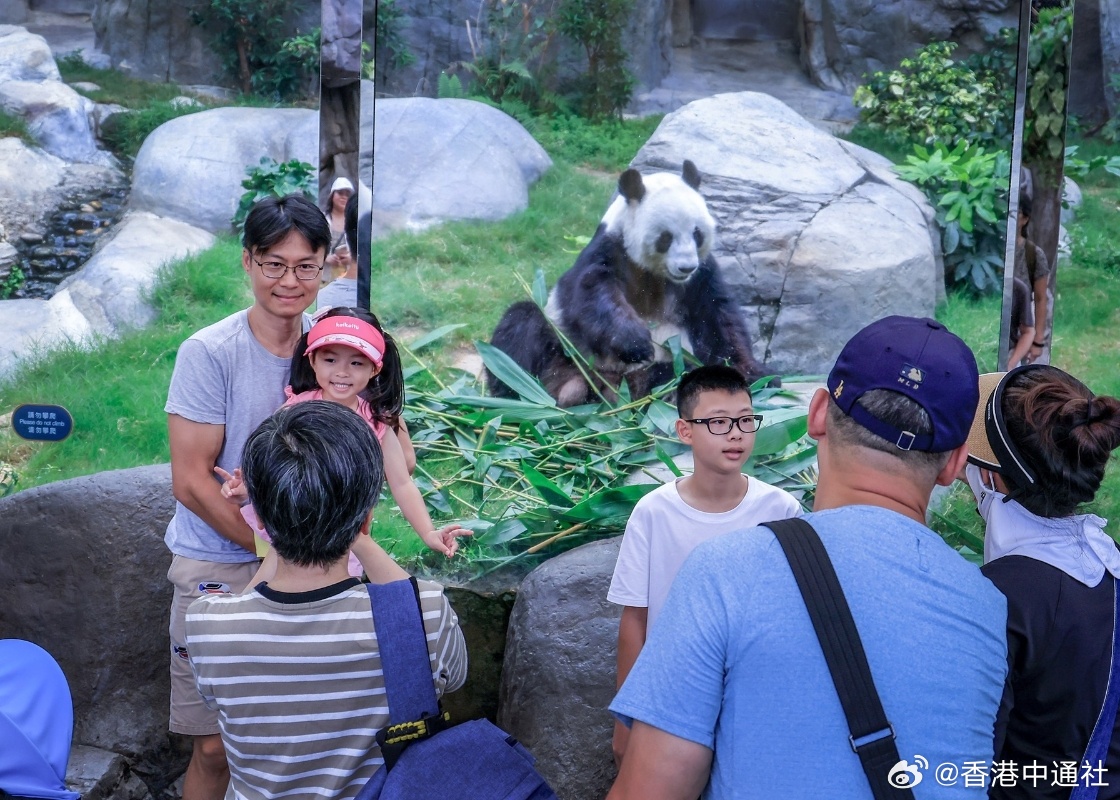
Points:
x=731 y=695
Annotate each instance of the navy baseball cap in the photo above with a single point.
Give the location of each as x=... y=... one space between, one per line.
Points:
x=918 y=358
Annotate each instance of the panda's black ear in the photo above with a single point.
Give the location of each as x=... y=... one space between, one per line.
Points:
x=691 y=175
x=631 y=187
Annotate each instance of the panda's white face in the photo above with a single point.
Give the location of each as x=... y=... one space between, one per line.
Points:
x=669 y=231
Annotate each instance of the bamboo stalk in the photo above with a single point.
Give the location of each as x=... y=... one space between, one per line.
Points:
x=542 y=545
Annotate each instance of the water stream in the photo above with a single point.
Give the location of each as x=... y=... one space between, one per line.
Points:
x=72 y=231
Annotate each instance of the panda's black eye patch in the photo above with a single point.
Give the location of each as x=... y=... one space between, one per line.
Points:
x=699 y=237
x=664 y=242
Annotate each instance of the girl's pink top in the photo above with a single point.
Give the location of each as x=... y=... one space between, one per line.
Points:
x=354 y=567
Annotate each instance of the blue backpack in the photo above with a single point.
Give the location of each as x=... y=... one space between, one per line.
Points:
x=425 y=756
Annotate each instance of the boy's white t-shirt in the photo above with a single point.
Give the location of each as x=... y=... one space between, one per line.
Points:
x=663 y=529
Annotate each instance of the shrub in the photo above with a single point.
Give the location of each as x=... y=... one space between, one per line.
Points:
x=248 y=36
x=510 y=44
x=968 y=188
x=271 y=179
x=13 y=281
x=597 y=26
x=1048 y=64
x=389 y=39
x=932 y=98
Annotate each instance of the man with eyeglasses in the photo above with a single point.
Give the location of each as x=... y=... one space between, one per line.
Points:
x=732 y=696
x=718 y=422
x=228 y=378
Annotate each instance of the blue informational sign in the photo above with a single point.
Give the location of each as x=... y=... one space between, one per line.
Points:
x=42 y=423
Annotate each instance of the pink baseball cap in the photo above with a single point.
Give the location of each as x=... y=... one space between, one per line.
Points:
x=350 y=332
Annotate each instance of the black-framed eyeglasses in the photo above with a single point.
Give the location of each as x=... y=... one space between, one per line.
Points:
x=720 y=426
x=273 y=270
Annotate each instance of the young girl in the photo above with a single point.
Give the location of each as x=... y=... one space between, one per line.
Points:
x=348 y=359
x=1038 y=449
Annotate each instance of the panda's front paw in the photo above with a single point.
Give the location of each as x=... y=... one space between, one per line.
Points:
x=635 y=349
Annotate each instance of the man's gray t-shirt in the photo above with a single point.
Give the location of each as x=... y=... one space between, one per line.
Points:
x=223 y=376
x=339 y=292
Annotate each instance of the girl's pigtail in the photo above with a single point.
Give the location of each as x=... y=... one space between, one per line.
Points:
x=301 y=376
x=385 y=393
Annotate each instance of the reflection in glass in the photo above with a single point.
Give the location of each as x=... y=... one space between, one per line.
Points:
x=1038 y=217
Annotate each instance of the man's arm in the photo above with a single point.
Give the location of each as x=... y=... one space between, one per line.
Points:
x=660 y=766
x=1041 y=314
x=631 y=638
x=194 y=454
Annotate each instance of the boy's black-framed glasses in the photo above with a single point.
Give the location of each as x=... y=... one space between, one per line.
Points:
x=720 y=426
x=274 y=270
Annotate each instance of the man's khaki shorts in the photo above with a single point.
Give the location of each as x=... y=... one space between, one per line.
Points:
x=192 y=579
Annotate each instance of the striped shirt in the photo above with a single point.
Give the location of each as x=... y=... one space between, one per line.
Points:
x=296 y=679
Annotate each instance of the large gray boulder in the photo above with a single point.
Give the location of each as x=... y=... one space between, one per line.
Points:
x=58 y=118
x=191 y=167
x=559 y=671
x=106 y=296
x=110 y=288
x=33 y=326
x=448 y=159
x=24 y=56
x=841 y=40
x=31 y=89
x=30 y=182
x=816 y=236
x=84 y=577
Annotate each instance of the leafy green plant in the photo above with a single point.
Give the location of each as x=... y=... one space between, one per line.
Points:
x=597 y=26
x=248 y=37
x=389 y=38
x=11 y=282
x=272 y=179
x=968 y=188
x=1047 y=79
x=450 y=86
x=932 y=98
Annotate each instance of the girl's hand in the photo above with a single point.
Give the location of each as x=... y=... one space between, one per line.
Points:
x=233 y=489
x=445 y=540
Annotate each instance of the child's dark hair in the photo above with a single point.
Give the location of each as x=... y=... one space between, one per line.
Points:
x=385 y=392
x=712 y=378
x=1066 y=435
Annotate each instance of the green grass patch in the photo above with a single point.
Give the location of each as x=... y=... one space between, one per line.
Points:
x=116 y=86
x=11 y=125
x=125 y=133
x=608 y=146
x=116 y=389
x=879 y=141
x=977 y=321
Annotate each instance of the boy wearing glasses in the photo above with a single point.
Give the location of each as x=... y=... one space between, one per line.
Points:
x=228 y=378
x=718 y=422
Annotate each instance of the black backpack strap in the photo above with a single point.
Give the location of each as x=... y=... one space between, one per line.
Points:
x=872 y=735
x=414 y=712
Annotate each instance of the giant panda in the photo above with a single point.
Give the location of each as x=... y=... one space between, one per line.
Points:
x=646 y=275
